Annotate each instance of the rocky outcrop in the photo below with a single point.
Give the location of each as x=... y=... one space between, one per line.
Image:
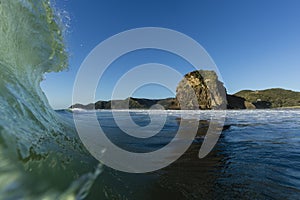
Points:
x=209 y=93
x=206 y=88
x=204 y=85
x=235 y=102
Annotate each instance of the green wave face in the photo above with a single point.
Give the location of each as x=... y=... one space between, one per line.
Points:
x=30 y=37
x=42 y=147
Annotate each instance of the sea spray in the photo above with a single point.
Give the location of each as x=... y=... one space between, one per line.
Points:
x=46 y=153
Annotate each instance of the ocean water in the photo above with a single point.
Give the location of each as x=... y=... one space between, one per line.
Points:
x=257 y=157
x=42 y=156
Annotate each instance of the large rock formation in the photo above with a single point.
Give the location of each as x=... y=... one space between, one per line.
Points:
x=209 y=93
x=208 y=90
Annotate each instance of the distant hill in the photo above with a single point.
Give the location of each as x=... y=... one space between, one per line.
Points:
x=134 y=103
x=201 y=89
x=272 y=98
x=245 y=99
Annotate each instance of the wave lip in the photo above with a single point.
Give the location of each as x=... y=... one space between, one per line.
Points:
x=37 y=143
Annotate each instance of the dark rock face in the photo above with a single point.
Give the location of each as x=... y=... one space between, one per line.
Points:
x=208 y=90
x=262 y=104
x=236 y=102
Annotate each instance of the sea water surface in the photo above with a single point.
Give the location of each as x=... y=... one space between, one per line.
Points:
x=258 y=157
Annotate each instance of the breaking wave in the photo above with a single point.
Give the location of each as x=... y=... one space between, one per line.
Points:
x=41 y=156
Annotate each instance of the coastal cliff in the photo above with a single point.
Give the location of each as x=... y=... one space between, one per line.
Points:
x=210 y=94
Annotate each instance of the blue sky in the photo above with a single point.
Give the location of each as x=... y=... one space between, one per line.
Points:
x=255 y=44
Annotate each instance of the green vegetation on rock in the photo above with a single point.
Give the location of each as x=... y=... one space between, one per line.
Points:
x=272 y=98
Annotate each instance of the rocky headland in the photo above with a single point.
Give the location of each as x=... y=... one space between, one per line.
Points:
x=209 y=94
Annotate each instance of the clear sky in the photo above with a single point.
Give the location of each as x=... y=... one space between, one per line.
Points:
x=254 y=43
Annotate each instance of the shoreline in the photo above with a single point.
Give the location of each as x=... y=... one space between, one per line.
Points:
x=138 y=109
